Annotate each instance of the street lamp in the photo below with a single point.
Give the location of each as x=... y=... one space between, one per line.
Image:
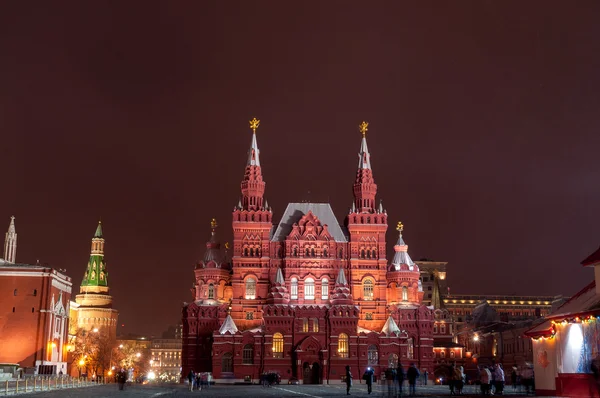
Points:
x=81 y=363
x=138 y=355
x=95 y=330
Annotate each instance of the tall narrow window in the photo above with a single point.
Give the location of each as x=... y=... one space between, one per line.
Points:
x=277 y=345
x=35 y=292
x=404 y=293
x=343 y=345
x=227 y=363
x=368 y=289
x=294 y=289
x=312 y=252
x=248 y=354
x=305 y=325
x=251 y=288
x=315 y=325
x=443 y=328
x=393 y=361
x=211 y=291
x=373 y=355
x=15 y=292
x=411 y=348
x=309 y=289
x=324 y=289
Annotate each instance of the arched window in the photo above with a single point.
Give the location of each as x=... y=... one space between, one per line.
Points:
x=211 y=291
x=309 y=289
x=305 y=325
x=404 y=293
x=368 y=289
x=373 y=355
x=393 y=361
x=246 y=252
x=325 y=254
x=227 y=363
x=411 y=348
x=374 y=254
x=343 y=345
x=362 y=253
x=294 y=289
x=307 y=252
x=250 y=288
x=443 y=328
x=248 y=354
x=312 y=252
x=368 y=253
x=316 y=325
x=451 y=354
x=324 y=289
x=295 y=251
x=277 y=345
x=435 y=328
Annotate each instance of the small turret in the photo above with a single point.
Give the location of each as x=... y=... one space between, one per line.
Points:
x=279 y=293
x=95 y=278
x=341 y=292
x=10 y=243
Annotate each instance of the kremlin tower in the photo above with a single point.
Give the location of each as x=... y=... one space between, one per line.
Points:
x=94 y=304
x=306 y=296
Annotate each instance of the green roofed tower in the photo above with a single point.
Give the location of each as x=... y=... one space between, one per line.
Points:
x=96 y=274
x=94 y=303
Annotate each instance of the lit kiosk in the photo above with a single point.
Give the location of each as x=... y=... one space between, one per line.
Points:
x=565 y=344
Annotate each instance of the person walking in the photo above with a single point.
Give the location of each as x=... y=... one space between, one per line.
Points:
x=348 y=379
x=191 y=377
x=499 y=373
x=368 y=378
x=484 y=379
x=412 y=374
x=400 y=376
x=425 y=377
x=122 y=378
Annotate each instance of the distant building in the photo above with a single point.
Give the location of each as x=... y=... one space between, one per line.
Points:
x=306 y=297
x=166 y=355
x=34 y=313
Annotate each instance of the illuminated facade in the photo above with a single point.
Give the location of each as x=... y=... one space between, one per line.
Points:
x=307 y=296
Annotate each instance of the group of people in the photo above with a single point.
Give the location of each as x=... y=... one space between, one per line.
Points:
x=394 y=379
x=457 y=380
x=491 y=379
x=198 y=380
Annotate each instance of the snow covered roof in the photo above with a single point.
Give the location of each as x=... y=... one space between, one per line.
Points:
x=390 y=327
x=228 y=326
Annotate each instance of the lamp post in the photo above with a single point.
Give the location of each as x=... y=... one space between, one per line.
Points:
x=81 y=363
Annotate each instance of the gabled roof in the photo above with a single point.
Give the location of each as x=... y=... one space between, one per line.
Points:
x=295 y=211
x=592 y=258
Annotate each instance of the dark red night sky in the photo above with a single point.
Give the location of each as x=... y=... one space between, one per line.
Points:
x=483 y=132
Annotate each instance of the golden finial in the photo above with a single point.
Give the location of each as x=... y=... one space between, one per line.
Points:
x=254 y=123
x=226 y=245
x=363 y=128
x=213 y=223
x=400 y=226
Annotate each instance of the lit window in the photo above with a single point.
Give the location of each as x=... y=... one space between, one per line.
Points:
x=248 y=354
x=227 y=363
x=324 y=289
x=404 y=293
x=368 y=289
x=373 y=355
x=411 y=348
x=316 y=325
x=251 y=288
x=211 y=291
x=369 y=316
x=249 y=315
x=393 y=361
x=305 y=325
x=294 y=290
x=343 y=345
x=309 y=289
x=277 y=345
x=435 y=328
x=443 y=328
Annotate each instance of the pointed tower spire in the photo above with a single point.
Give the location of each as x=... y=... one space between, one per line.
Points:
x=390 y=327
x=341 y=292
x=365 y=188
x=10 y=242
x=212 y=255
x=228 y=326
x=95 y=278
x=253 y=186
x=279 y=293
x=401 y=260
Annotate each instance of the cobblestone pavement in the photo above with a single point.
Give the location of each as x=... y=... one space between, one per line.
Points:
x=249 y=391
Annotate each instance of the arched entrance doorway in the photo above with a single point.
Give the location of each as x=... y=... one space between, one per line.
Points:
x=311 y=373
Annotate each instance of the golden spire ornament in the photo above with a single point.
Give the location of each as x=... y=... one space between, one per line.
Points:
x=254 y=123
x=400 y=227
x=363 y=128
x=213 y=223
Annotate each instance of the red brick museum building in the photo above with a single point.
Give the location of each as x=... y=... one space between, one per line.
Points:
x=306 y=296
